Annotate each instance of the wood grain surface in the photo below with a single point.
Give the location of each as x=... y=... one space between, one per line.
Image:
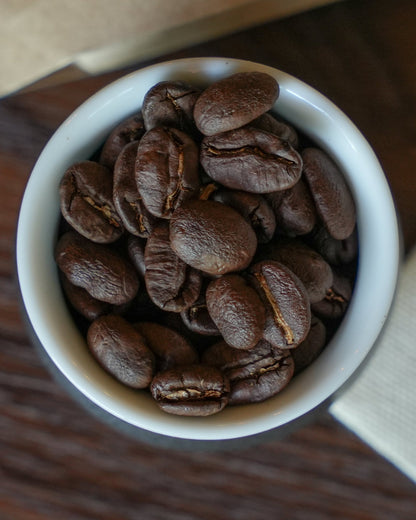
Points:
x=57 y=461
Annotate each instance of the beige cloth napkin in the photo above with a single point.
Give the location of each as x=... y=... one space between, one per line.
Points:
x=38 y=37
x=380 y=406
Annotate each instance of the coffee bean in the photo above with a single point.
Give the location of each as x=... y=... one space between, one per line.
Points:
x=287 y=303
x=81 y=300
x=310 y=348
x=97 y=268
x=336 y=299
x=237 y=311
x=166 y=170
x=212 y=237
x=136 y=218
x=332 y=196
x=294 y=209
x=308 y=265
x=170 y=103
x=269 y=123
x=234 y=101
x=256 y=374
x=175 y=320
x=121 y=350
x=197 y=318
x=335 y=251
x=135 y=250
x=253 y=207
x=251 y=160
x=86 y=194
x=130 y=129
x=197 y=390
x=170 y=348
x=171 y=283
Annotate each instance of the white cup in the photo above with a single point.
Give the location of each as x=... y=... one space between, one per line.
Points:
x=82 y=133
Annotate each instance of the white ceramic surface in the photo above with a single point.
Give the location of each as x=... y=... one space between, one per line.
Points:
x=83 y=132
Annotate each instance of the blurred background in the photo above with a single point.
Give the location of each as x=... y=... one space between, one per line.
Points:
x=44 y=41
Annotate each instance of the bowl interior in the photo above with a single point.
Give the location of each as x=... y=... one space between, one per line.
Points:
x=81 y=134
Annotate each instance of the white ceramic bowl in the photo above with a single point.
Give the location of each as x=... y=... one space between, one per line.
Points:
x=82 y=133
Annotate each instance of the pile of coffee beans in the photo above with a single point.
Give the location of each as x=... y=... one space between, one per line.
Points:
x=208 y=249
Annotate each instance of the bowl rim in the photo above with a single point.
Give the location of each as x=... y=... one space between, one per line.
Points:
x=378 y=265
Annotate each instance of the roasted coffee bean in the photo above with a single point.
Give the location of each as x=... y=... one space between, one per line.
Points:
x=121 y=350
x=170 y=348
x=332 y=196
x=310 y=348
x=269 y=123
x=287 y=303
x=294 y=209
x=83 y=302
x=256 y=374
x=86 y=194
x=174 y=320
x=251 y=160
x=97 y=268
x=129 y=205
x=196 y=390
x=308 y=265
x=336 y=300
x=166 y=170
x=234 y=101
x=237 y=311
x=135 y=249
x=171 y=283
x=212 y=237
x=253 y=207
x=197 y=318
x=131 y=129
x=335 y=251
x=170 y=103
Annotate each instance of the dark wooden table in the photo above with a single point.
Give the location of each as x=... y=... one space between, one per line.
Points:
x=59 y=462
